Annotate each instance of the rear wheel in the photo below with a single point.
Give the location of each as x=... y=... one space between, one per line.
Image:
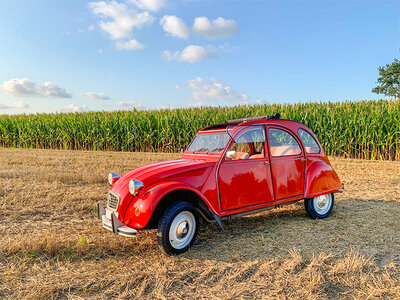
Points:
x=177 y=229
x=319 y=207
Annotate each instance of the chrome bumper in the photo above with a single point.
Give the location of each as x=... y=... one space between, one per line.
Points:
x=114 y=224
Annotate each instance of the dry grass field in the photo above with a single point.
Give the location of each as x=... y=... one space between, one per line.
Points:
x=52 y=245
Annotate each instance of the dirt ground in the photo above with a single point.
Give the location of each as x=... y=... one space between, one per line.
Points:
x=53 y=246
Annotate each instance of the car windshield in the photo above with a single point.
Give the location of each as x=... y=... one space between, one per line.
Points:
x=209 y=142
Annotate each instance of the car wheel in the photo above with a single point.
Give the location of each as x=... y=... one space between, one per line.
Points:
x=319 y=207
x=177 y=229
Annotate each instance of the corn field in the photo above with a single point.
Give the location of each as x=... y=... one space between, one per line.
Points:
x=364 y=129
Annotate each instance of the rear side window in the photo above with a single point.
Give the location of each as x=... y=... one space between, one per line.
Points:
x=282 y=143
x=310 y=144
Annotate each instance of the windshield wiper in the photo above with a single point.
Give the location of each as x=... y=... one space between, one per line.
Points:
x=216 y=150
x=202 y=150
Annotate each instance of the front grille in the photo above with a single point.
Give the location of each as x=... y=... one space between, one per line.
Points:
x=113 y=200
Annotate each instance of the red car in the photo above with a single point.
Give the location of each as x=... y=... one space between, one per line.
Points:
x=233 y=169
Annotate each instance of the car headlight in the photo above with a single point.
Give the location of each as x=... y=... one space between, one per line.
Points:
x=113 y=177
x=135 y=186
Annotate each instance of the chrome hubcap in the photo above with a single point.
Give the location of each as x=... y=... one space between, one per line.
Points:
x=182 y=230
x=323 y=203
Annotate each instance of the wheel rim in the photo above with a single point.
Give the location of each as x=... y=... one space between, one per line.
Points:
x=182 y=230
x=322 y=204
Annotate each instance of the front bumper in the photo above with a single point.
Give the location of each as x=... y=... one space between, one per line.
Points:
x=114 y=224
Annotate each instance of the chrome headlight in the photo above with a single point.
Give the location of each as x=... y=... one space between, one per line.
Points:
x=113 y=177
x=135 y=186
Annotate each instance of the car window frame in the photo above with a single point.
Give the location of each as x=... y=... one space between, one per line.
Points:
x=315 y=140
x=238 y=134
x=302 y=153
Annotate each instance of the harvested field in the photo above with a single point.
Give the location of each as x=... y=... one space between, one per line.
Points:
x=52 y=245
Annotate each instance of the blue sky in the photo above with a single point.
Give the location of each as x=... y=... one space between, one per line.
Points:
x=104 y=55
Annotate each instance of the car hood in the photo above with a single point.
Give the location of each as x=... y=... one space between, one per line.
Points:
x=150 y=174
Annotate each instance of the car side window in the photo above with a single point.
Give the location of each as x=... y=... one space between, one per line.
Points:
x=310 y=144
x=282 y=143
x=249 y=145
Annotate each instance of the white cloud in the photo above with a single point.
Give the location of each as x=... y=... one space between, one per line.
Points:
x=177 y=87
x=190 y=54
x=72 y=108
x=119 y=19
x=22 y=87
x=165 y=107
x=21 y=104
x=213 y=90
x=202 y=26
x=216 y=29
x=261 y=101
x=96 y=96
x=17 y=105
x=91 y=27
x=129 y=45
x=130 y=105
x=152 y=5
x=175 y=26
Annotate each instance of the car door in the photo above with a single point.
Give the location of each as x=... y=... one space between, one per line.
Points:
x=244 y=176
x=287 y=160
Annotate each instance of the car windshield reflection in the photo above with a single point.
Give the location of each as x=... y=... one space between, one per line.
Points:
x=209 y=142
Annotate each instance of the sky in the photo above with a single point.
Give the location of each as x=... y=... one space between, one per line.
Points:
x=71 y=56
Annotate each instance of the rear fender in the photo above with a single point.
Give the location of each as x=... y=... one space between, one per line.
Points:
x=320 y=179
x=148 y=202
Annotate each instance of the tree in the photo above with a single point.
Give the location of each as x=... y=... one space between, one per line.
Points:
x=389 y=80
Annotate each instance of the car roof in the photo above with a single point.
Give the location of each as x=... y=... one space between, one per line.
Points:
x=256 y=121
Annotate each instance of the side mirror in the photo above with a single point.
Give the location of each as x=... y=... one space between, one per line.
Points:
x=231 y=154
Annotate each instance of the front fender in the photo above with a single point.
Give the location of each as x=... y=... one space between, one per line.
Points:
x=150 y=199
x=320 y=179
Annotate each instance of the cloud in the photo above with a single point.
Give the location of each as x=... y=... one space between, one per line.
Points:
x=17 y=105
x=119 y=20
x=190 y=54
x=213 y=90
x=130 y=105
x=177 y=87
x=216 y=29
x=153 y=5
x=202 y=26
x=72 y=108
x=21 y=104
x=96 y=96
x=175 y=26
x=261 y=102
x=129 y=45
x=22 y=87
x=165 y=107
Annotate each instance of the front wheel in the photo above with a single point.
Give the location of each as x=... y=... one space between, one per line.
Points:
x=319 y=207
x=177 y=229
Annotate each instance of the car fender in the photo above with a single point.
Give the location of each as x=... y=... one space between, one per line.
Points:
x=148 y=201
x=320 y=179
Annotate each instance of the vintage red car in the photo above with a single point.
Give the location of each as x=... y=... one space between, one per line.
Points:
x=233 y=169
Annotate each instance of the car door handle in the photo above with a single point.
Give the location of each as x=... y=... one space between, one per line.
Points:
x=266 y=162
x=303 y=159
